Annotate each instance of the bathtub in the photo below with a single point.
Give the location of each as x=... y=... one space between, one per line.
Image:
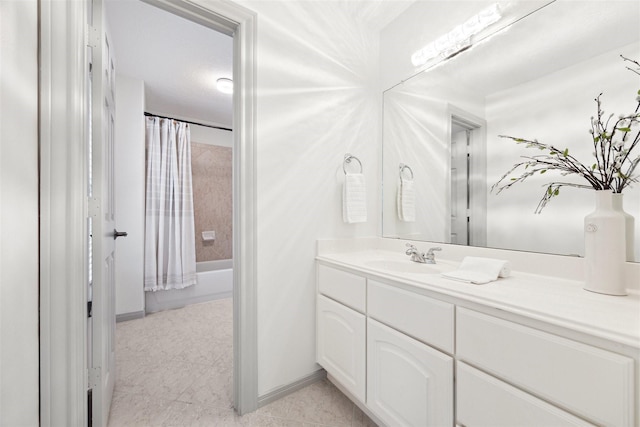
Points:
x=214 y=281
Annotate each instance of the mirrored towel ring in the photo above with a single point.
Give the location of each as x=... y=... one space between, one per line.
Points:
x=347 y=159
x=404 y=167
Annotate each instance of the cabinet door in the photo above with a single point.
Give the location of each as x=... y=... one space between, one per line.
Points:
x=341 y=345
x=408 y=382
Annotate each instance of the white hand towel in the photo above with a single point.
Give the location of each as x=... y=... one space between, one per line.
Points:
x=354 y=198
x=406 y=200
x=479 y=270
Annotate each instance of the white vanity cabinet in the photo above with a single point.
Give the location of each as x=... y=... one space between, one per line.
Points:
x=377 y=342
x=417 y=357
x=341 y=330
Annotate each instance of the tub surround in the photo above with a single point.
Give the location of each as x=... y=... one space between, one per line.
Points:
x=546 y=321
x=212 y=197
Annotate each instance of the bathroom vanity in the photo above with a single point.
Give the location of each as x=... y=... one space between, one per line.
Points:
x=412 y=348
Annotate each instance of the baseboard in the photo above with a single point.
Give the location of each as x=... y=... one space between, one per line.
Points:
x=283 y=391
x=129 y=316
x=177 y=301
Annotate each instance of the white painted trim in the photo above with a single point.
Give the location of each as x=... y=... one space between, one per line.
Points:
x=176 y=301
x=477 y=174
x=124 y=317
x=63 y=213
x=64 y=207
x=283 y=391
x=232 y=19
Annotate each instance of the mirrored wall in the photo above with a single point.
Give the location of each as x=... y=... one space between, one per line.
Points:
x=535 y=79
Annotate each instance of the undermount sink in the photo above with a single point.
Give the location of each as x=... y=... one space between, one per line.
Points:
x=407 y=266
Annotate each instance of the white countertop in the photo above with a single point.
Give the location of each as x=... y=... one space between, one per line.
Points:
x=557 y=301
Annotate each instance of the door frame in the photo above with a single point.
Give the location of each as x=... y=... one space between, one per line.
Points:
x=477 y=173
x=64 y=208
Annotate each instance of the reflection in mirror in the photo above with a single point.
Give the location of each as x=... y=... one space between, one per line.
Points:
x=537 y=79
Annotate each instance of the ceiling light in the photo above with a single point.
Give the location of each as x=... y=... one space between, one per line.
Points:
x=224 y=85
x=458 y=38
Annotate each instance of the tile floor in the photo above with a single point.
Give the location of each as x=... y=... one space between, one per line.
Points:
x=174 y=368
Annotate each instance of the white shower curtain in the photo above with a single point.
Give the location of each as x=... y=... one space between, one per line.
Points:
x=170 y=254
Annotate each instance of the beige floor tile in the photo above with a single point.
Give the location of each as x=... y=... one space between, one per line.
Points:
x=360 y=419
x=137 y=410
x=174 y=368
x=320 y=403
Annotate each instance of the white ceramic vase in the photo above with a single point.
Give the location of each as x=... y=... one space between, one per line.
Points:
x=629 y=227
x=605 y=247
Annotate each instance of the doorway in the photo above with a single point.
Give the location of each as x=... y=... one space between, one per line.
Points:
x=467 y=135
x=63 y=341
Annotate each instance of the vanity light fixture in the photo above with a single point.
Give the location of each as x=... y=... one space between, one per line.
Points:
x=458 y=38
x=224 y=85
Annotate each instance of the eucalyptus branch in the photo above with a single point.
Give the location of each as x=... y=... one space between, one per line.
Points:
x=631 y=60
x=558 y=159
x=553 y=190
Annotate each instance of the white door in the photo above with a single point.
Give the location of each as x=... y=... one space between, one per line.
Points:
x=408 y=382
x=459 y=185
x=101 y=220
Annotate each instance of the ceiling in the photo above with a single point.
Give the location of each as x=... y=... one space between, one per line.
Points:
x=178 y=60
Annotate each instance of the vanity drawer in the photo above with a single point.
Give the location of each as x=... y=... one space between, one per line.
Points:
x=423 y=318
x=348 y=288
x=586 y=380
x=483 y=400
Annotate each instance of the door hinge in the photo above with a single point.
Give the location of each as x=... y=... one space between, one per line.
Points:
x=94 y=378
x=94 y=207
x=93 y=36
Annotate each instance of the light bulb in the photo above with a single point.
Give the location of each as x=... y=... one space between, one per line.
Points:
x=224 y=85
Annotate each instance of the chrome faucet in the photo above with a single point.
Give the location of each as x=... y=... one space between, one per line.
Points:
x=416 y=256
x=431 y=257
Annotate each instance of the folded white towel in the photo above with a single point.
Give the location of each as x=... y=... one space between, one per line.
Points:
x=354 y=198
x=480 y=270
x=406 y=200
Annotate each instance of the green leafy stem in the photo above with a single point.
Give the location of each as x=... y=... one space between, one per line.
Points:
x=613 y=142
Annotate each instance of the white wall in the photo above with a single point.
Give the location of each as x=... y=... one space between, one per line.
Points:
x=130 y=161
x=554 y=109
x=211 y=136
x=317 y=70
x=18 y=214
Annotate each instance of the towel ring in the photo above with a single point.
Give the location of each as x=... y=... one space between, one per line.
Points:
x=402 y=167
x=347 y=159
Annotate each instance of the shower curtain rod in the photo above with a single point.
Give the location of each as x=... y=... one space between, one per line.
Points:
x=187 y=121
